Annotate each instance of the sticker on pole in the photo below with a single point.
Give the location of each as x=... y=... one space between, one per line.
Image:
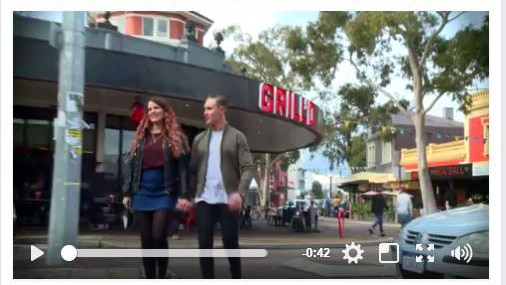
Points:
x=73 y=137
x=75 y=151
x=74 y=102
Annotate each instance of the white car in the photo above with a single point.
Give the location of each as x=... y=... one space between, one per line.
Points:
x=452 y=243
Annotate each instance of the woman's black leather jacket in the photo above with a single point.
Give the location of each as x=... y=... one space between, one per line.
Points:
x=175 y=171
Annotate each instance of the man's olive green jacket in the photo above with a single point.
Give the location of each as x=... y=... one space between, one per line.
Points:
x=236 y=164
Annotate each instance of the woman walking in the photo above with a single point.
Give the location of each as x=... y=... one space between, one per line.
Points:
x=156 y=176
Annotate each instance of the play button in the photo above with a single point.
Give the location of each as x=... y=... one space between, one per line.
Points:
x=35 y=253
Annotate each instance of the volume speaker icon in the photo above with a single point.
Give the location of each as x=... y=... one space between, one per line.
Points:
x=463 y=252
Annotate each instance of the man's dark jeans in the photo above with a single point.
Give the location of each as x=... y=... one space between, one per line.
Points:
x=207 y=215
x=379 y=221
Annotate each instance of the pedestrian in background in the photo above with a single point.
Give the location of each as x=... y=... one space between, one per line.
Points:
x=343 y=206
x=246 y=222
x=220 y=174
x=335 y=206
x=155 y=177
x=341 y=214
x=404 y=208
x=328 y=207
x=378 y=207
x=313 y=214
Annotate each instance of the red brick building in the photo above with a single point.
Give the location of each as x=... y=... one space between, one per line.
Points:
x=159 y=25
x=278 y=185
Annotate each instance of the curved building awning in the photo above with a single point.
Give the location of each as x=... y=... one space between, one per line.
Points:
x=114 y=76
x=368 y=177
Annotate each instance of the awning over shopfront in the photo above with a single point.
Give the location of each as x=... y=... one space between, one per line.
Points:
x=406 y=185
x=368 y=177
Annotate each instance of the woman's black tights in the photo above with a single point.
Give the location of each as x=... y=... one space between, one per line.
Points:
x=153 y=226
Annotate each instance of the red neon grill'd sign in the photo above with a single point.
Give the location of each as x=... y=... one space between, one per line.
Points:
x=287 y=104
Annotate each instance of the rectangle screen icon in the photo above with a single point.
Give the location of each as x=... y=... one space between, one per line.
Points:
x=388 y=253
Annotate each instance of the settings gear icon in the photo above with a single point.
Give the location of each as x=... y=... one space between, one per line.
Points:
x=358 y=251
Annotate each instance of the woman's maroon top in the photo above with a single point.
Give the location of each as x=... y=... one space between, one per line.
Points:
x=153 y=151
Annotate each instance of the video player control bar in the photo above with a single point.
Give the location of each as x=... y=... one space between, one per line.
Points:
x=70 y=253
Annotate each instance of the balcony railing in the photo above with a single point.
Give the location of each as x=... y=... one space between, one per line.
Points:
x=479 y=100
x=436 y=153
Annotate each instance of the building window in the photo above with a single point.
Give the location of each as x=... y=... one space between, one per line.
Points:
x=147 y=26
x=161 y=30
x=127 y=138
x=386 y=155
x=119 y=133
x=120 y=23
x=156 y=27
x=111 y=153
x=34 y=148
x=40 y=132
x=371 y=154
x=485 y=139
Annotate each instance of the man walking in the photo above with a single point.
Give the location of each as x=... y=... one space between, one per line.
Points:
x=378 y=206
x=220 y=174
x=404 y=208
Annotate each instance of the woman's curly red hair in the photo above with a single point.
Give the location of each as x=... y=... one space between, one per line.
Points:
x=171 y=131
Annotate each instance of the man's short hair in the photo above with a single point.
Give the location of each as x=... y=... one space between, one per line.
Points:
x=220 y=99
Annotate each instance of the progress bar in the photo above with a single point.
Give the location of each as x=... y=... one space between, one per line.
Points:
x=70 y=253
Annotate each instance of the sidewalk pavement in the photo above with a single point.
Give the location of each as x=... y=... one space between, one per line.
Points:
x=260 y=235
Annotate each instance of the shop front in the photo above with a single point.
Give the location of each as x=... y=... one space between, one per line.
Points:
x=459 y=170
x=455 y=185
x=120 y=71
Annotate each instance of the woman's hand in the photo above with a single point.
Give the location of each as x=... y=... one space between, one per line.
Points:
x=184 y=205
x=127 y=202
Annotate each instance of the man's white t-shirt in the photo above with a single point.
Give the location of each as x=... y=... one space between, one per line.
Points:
x=214 y=191
x=404 y=204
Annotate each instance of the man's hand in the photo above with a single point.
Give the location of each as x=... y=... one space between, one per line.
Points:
x=184 y=205
x=127 y=202
x=235 y=201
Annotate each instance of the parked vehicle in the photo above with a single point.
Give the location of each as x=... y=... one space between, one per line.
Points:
x=452 y=233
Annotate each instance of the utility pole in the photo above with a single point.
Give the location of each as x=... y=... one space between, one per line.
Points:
x=399 y=188
x=266 y=182
x=66 y=188
x=330 y=186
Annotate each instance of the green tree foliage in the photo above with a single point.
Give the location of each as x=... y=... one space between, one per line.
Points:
x=316 y=190
x=382 y=46
x=268 y=59
x=346 y=132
